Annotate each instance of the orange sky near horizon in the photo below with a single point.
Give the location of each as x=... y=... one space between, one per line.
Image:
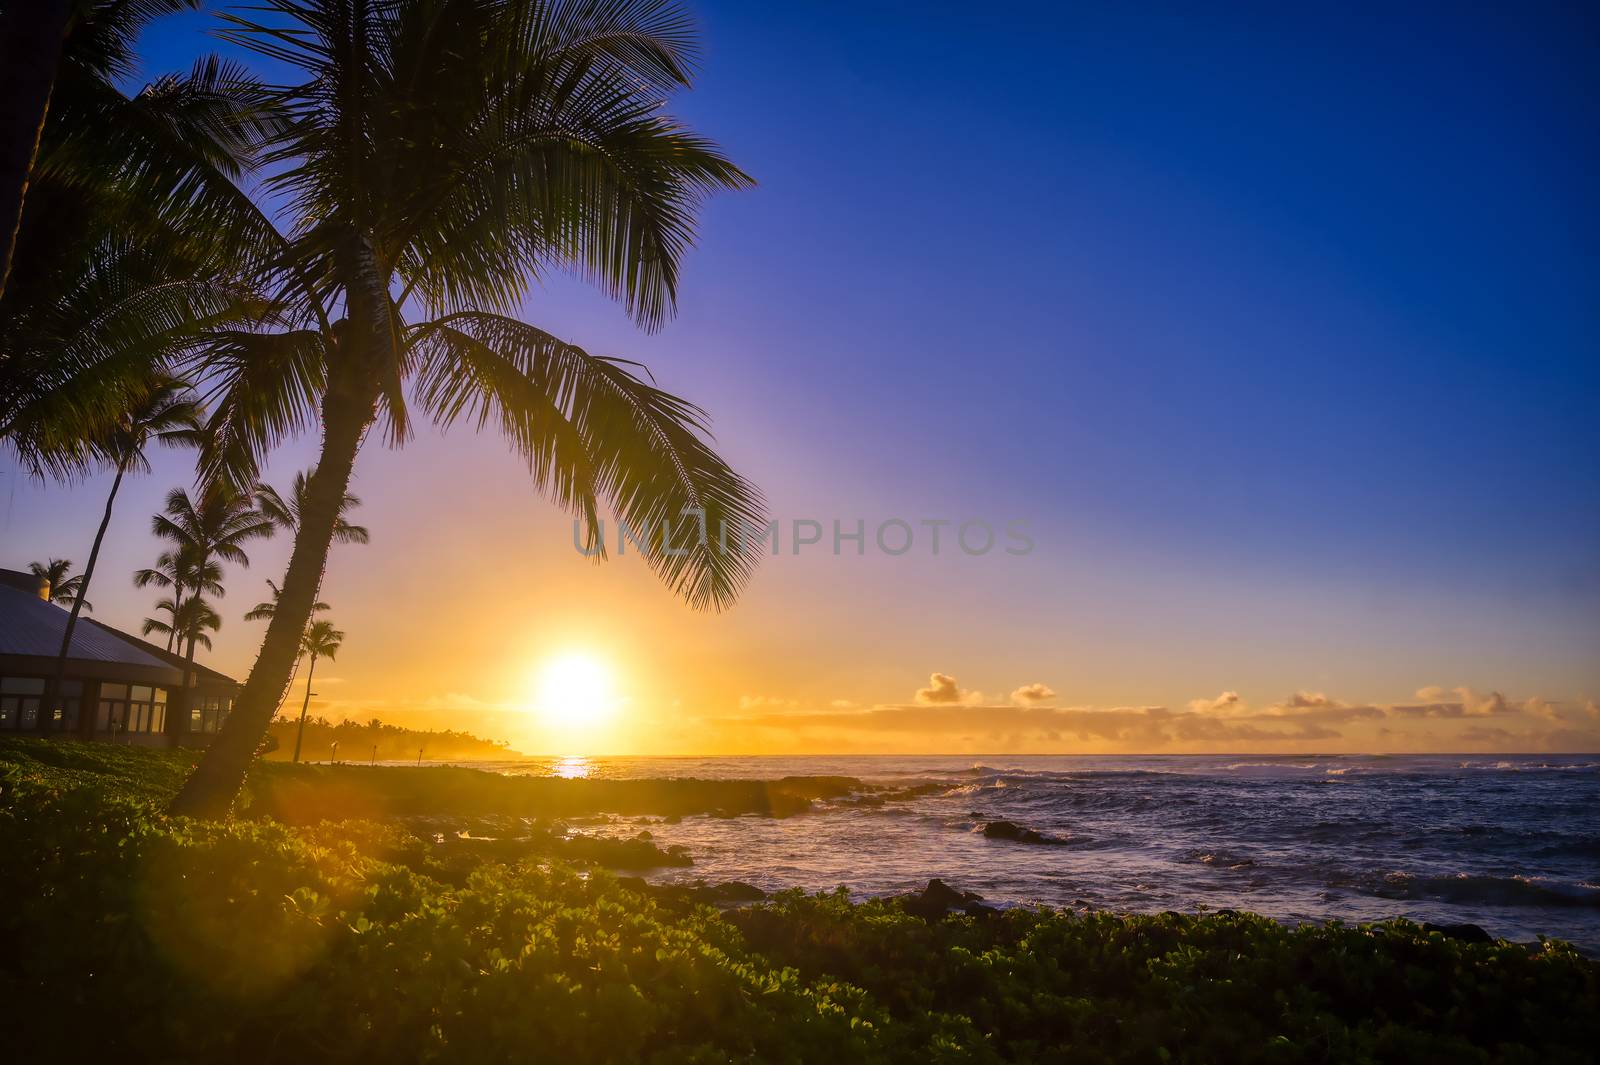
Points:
x=455 y=608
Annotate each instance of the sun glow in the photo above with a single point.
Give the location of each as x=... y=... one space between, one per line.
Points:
x=575 y=696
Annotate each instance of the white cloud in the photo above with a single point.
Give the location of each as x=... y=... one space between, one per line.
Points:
x=942 y=690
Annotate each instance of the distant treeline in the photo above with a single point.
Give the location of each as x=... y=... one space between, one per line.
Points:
x=376 y=740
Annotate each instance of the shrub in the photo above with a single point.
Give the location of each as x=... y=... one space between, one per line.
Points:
x=128 y=936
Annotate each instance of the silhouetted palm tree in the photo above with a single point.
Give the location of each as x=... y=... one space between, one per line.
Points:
x=179 y=570
x=321 y=640
x=285 y=513
x=98 y=39
x=66 y=125
x=264 y=610
x=438 y=158
x=63 y=589
x=135 y=231
x=166 y=413
x=191 y=620
x=214 y=529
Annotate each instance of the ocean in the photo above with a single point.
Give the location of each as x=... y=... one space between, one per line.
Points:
x=1508 y=843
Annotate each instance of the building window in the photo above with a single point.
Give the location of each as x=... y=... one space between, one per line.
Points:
x=21 y=697
x=209 y=712
x=19 y=702
x=67 y=711
x=131 y=708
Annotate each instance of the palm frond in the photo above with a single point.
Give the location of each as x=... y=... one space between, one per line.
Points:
x=263 y=388
x=591 y=430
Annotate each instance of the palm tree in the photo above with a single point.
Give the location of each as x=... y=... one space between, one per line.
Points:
x=30 y=52
x=204 y=533
x=63 y=589
x=321 y=640
x=190 y=621
x=264 y=610
x=285 y=513
x=179 y=570
x=166 y=413
x=60 y=65
x=437 y=158
x=136 y=229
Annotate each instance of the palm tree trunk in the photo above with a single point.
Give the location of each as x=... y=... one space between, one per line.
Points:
x=300 y=731
x=210 y=789
x=181 y=708
x=365 y=354
x=177 y=601
x=30 y=52
x=52 y=694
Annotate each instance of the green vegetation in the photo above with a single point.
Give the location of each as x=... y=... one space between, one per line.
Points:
x=446 y=795
x=158 y=939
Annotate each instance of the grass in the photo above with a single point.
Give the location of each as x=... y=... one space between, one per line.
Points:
x=135 y=937
x=302 y=794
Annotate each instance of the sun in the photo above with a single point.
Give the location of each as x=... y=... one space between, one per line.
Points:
x=575 y=694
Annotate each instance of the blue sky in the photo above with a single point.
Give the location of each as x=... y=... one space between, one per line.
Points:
x=1278 y=324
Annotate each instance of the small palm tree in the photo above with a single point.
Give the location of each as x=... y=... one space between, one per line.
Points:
x=285 y=513
x=63 y=589
x=321 y=640
x=191 y=620
x=212 y=530
x=165 y=412
x=180 y=571
x=264 y=610
x=216 y=527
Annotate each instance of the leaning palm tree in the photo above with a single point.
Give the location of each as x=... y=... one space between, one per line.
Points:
x=180 y=571
x=165 y=412
x=438 y=158
x=321 y=640
x=63 y=589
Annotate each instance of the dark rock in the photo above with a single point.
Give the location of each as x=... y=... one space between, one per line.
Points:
x=1466 y=933
x=936 y=900
x=736 y=891
x=730 y=893
x=1017 y=834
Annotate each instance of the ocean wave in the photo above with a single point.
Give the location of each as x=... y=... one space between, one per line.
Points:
x=1269 y=765
x=1484 y=890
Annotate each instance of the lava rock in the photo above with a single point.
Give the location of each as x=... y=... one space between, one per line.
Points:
x=938 y=899
x=736 y=891
x=1016 y=833
x=1466 y=933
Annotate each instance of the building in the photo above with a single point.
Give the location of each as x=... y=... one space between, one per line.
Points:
x=117 y=687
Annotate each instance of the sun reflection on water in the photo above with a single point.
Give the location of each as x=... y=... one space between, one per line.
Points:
x=574 y=768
